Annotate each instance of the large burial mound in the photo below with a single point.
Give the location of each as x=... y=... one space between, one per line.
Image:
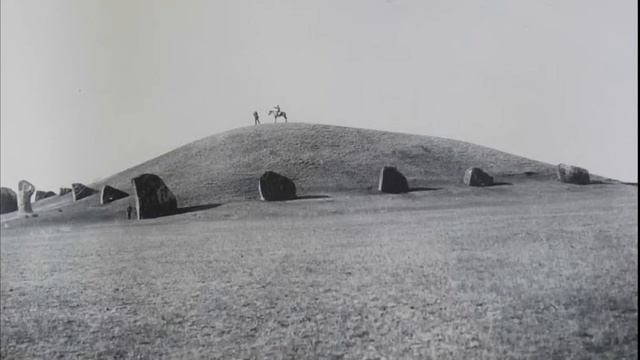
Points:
x=320 y=159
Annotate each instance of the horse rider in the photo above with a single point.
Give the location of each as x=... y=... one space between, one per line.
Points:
x=256 y=118
x=277 y=107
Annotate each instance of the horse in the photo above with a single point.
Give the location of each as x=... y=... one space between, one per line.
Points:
x=277 y=114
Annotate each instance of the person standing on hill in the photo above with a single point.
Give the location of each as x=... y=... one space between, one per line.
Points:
x=256 y=118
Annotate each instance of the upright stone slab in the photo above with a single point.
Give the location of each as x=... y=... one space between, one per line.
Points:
x=477 y=177
x=80 y=191
x=275 y=187
x=109 y=194
x=43 y=195
x=39 y=195
x=392 y=181
x=573 y=174
x=25 y=190
x=63 y=191
x=153 y=198
x=8 y=200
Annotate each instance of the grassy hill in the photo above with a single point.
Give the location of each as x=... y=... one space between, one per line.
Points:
x=319 y=158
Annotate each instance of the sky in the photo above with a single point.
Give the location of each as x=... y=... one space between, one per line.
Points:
x=90 y=88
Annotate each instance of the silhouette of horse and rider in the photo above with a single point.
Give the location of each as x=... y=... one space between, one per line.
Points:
x=275 y=112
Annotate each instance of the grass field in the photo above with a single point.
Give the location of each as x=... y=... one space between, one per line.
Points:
x=537 y=269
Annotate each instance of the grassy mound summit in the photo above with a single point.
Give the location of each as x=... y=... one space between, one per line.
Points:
x=319 y=158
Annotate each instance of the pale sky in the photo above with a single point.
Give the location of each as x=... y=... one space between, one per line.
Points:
x=90 y=88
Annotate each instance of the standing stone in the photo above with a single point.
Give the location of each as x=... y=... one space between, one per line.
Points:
x=109 y=194
x=392 y=181
x=477 y=177
x=275 y=187
x=64 y=190
x=8 y=200
x=25 y=190
x=80 y=191
x=44 y=194
x=153 y=198
x=573 y=174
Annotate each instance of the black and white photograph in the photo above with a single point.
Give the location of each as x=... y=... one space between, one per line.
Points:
x=319 y=179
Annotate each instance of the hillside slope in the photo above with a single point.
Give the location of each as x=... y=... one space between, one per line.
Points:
x=320 y=158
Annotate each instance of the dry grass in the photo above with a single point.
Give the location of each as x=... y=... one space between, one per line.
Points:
x=535 y=270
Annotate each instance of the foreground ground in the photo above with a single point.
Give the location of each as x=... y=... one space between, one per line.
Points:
x=536 y=270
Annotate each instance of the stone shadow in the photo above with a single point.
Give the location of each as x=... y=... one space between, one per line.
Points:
x=305 y=197
x=499 y=183
x=598 y=182
x=525 y=173
x=188 y=209
x=423 y=188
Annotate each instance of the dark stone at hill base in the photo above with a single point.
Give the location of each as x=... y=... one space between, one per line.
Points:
x=275 y=187
x=8 y=200
x=64 y=190
x=109 y=194
x=477 y=177
x=573 y=174
x=44 y=194
x=392 y=181
x=25 y=190
x=153 y=198
x=80 y=191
